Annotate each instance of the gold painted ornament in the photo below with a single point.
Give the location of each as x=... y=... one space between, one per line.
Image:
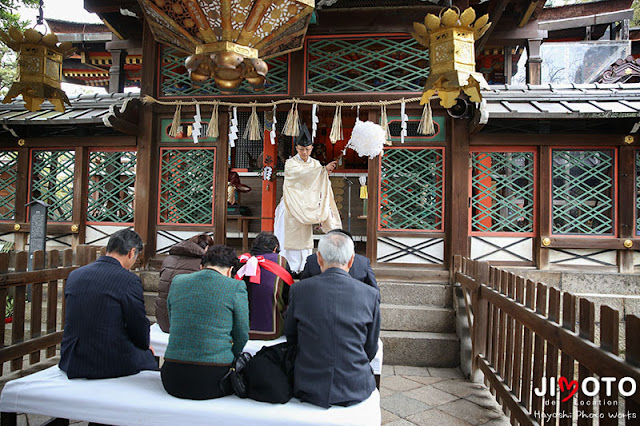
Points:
x=450 y=38
x=39 y=67
x=228 y=40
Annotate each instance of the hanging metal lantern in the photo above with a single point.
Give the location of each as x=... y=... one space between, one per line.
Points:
x=450 y=38
x=229 y=39
x=39 y=68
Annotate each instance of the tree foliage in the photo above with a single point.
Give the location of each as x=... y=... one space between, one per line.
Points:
x=9 y=17
x=635 y=21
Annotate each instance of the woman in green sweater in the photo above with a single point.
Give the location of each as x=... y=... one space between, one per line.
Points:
x=209 y=316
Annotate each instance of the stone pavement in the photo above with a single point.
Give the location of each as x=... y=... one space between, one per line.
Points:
x=435 y=396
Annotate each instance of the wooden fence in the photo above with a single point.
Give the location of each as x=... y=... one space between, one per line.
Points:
x=541 y=369
x=17 y=284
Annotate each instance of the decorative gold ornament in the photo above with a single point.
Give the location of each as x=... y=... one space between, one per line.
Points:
x=39 y=67
x=74 y=228
x=629 y=139
x=16 y=227
x=227 y=38
x=21 y=142
x=450 y=38
x=628 y=243
x=546 y=242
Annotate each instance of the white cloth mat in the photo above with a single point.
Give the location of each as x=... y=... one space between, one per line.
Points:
x=141 y=400
x=160 y=339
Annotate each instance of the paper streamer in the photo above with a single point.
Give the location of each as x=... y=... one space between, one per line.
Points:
x=403 y=124
x=197 y=125
x=233 y=129
x=272 y=133
x=314 y=121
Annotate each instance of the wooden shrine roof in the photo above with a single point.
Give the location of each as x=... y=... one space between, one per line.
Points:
x=563 y=101
x=84 y=109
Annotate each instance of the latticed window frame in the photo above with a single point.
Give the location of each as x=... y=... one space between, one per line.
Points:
x=110 y=150
x=32 y=152
x=534 y=231
x=10 y=199
x=442 y=191
x=614 y=191
x=159 y=221
x=244 y=89
x=354 y=37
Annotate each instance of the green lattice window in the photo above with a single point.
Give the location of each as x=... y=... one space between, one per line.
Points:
x=8 y=177
x=52 y=182
x=175 y=81
x=412 y=189
x=187 y=186
x=583 y=191
x=384 y=64
x=502 y=192
x=112 y=177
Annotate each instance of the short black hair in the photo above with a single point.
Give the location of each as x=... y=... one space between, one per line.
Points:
x=123 y=241
x=342 y=231
x=265 y=242
x=220 y=255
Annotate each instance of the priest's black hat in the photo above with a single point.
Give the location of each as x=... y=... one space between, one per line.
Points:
x=304 y=138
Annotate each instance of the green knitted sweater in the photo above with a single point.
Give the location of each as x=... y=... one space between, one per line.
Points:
x=209 y=316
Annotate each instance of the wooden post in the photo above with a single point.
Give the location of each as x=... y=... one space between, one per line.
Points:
x=269 y=159
x=80 y=195
x=534 y=61
x=373 y=175
x=222 y=167
x=626 y=191
x=480 y=321
x=544 y=207
x=147 y=155
x=457 y=194
x=117 y=73
x=22 y=197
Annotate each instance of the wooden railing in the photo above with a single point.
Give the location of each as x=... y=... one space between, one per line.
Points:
x=525 y=343
x=24 y=290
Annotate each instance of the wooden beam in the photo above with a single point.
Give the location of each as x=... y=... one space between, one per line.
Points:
x=494 y=17
x=527 y=14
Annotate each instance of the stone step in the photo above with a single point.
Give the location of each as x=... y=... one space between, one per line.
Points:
x=417 y=318
x=416 y=294
x=150 y=280
x=420 y=349
x=410 y=274
x=150 y=302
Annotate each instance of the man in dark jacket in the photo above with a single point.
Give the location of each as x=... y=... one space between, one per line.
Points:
x=106 y=331
x=334 y=321
x=360 y=270
x=184 y=258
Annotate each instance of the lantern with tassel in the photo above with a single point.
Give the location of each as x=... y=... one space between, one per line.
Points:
x=39 y=68
x=450 y=38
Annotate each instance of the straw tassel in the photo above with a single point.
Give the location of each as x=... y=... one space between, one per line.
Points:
x=384 y=122
x=212 y=130
x=336 y=127
x=426 y=126
x=175 y=124
x=292 y=125
x=253 y=131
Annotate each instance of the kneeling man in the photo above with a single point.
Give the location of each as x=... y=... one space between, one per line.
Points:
x=334 y=321
x=106 y=331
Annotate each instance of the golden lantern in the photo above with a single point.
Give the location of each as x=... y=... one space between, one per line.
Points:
x=39 y=67
x=450 y=38
x=228 y=40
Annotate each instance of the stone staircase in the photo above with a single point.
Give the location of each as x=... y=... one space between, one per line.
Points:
x=418 y=320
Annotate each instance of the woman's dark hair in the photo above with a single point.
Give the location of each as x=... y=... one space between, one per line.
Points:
x=265 y=242
x=220 y=255
x=203 y=240
x=123 y=241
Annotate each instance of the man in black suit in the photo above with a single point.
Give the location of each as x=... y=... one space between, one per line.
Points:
x=334 y=321
x=361 y=269
x=106 y=331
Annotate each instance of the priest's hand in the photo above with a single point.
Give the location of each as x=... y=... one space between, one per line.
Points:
x=331 y=166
